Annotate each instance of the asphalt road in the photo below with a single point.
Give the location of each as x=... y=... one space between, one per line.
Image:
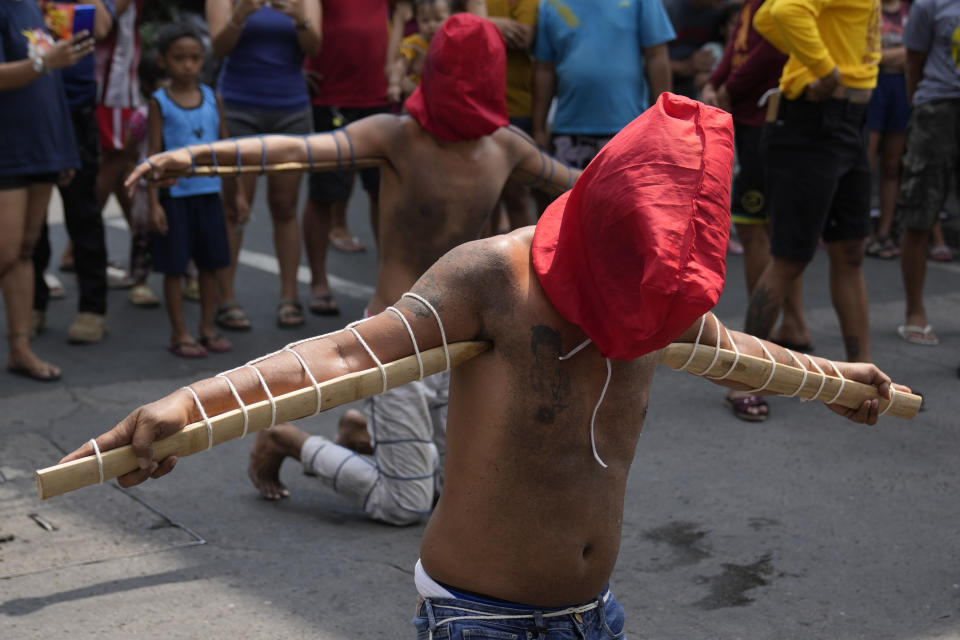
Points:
x=804 y=526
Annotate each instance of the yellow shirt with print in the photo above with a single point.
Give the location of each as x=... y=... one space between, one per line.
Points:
x=819 y=35
x=519 y=63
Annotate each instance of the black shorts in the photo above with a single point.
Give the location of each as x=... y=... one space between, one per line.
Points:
x=335 y=186
x=196 y=229
x=25 y=180
x=749 y=203
x=818 y=178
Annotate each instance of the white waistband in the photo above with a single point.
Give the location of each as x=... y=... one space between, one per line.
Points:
x=427 y=587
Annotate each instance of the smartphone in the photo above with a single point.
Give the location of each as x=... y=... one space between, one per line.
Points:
x=83 y=15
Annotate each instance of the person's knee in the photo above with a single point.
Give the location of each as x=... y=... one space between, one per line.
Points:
x=386 y=504
x=847 y=254
x=9 y=256
x=282 y=210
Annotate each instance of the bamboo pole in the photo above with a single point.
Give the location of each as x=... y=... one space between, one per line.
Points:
x=282 y=167
x=193 y=438
x=786 y=380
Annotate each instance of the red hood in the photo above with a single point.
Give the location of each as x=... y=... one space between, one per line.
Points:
x=463 y=87
x=636 y=251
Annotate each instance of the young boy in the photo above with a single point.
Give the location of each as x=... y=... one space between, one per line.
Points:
x=406 y=69
x=187 y=219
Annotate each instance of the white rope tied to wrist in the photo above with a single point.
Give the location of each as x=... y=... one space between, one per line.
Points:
x=843 y=382
x=203 y=414
x=803 y=381
x=773 y=369
x=696 y=343
x=443 y=335
x=306 y=369
x=580 y=347
x=236 y=396
x=413 y=338
x=96 y=452
x=363 y=343
x=736 y=358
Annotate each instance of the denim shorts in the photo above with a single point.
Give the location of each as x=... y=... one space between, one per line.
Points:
x=459 y=619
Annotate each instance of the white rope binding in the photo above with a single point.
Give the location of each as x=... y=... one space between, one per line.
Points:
x=306 y=369
x=823 y=381
x=736 y=358
x=266 y=389
x=696 y=343
x=363 y=343
x=443 y=335
x=716 y=353
x=803 y=381
x=413 y=338
x=236 y=396
x=203 y=414
x=843 y=382
x=96 y=452
x=893 y=396
x=773 y=369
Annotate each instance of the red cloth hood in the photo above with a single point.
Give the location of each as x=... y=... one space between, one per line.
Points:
x=636 y=251
x=463 y=87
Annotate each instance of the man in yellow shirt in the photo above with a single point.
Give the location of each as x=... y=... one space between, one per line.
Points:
x=817 y=170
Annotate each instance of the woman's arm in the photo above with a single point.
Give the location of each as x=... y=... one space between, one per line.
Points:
x=66 y=53
x=307 y=19
x=225 y=21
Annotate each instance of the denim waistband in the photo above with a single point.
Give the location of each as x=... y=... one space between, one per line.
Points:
x=441 y=611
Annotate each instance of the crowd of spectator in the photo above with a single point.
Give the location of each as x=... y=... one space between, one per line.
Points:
x=836 y=105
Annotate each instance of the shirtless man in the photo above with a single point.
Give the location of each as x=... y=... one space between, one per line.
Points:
x=532 y=506
x=444 y=167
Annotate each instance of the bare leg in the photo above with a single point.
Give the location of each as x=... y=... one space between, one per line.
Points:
x=340 y=235
x=25 y=211
x=225 y=277
x=849 y=294
x=317 y=220
x=894 y=145
x=352 y=432
x=774 y=284
x=173 y=297
x=913 y=266
x=207 y=280
x=270 y=449
x=282 y=192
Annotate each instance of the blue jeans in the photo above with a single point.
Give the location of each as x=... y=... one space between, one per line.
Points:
x=455 y=619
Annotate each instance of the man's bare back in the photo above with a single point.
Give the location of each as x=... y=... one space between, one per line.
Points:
x=527 y=514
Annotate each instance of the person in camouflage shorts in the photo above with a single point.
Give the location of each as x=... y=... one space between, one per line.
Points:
x=931 y=165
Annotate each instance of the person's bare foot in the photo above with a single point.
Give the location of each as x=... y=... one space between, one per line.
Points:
x=342 y=240
x=270 y=449
x=352 y=432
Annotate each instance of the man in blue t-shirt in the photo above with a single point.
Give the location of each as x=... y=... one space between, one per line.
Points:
x=81 y=210
x=607 y=61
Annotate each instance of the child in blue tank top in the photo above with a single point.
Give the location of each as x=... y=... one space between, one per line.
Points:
x=187 y=220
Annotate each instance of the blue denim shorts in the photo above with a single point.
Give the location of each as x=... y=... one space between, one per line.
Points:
x=457 y=619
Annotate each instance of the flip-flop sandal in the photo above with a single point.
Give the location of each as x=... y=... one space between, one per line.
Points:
x=915 y=334
x=741 y=407
x=289 y=313
x=52 y=374
x=140 y=295
x=232 y=318
x=324 y=305
x=347 y=244
x=215 y=343
x=187 y=349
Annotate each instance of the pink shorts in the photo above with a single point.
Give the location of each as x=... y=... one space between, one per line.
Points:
x=114 y=124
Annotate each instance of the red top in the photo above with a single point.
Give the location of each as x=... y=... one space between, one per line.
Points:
x=348 y=71
x=750 y=67
x=463 y=88
x=636 y=251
